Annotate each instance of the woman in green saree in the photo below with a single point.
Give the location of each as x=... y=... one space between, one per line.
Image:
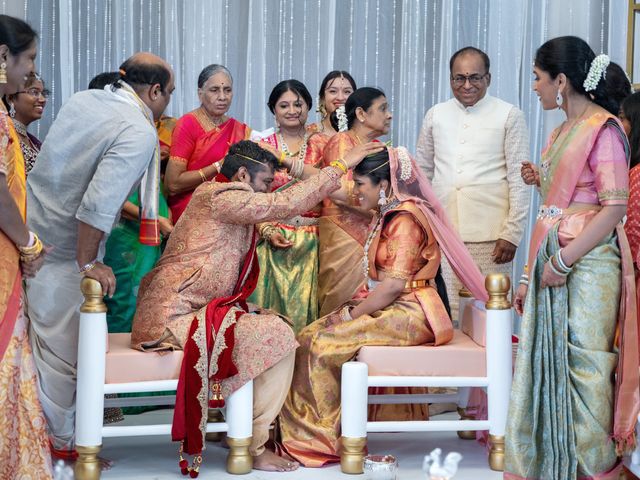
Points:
x=574 y=399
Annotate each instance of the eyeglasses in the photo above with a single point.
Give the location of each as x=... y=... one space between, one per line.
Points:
x=34 y=92
x=475 y=80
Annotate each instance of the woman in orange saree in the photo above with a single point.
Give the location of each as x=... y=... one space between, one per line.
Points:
x=343 y=226
x=24 y=449
x=201 y=138
x=400 y=304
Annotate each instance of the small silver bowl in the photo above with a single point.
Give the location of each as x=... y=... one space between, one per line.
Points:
x=380 y=467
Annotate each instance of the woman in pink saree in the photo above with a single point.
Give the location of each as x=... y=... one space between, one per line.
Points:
x=201 y=138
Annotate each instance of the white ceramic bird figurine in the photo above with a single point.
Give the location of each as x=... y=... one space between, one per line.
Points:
x=435 y=470
x=62 y=471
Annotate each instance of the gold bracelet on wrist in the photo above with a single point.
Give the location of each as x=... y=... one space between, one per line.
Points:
x=202 y=176
x=340 y=165
x=28 y=254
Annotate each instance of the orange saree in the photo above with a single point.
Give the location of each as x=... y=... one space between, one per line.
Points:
x=24 y=451
x=403 y=247
x=198 y=142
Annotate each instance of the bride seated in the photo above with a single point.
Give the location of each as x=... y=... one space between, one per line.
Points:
x=400 y=305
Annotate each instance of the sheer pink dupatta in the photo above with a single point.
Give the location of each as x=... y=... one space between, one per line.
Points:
x=409 y=183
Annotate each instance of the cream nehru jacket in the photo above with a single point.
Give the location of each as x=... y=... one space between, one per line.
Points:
x=472 y=156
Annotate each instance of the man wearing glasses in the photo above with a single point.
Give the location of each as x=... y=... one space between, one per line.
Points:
x=471 y=148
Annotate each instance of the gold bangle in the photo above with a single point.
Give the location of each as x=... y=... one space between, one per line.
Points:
x=202 y=176
x=340 y=165
x=28 y=254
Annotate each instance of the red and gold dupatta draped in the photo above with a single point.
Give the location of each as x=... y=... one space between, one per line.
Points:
x=10 y=276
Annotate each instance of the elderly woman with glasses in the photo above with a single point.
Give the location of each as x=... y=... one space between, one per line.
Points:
x=25 y=107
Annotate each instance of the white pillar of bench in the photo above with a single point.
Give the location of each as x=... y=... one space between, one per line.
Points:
x=92 y=345
x=499 y=364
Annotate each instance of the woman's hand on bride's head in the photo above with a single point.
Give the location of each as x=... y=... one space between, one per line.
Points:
x=357 y=153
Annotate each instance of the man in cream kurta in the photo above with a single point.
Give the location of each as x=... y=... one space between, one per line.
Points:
x=471 y=148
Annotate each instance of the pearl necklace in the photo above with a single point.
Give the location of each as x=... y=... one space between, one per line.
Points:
x=285 y=148
x=374 y=232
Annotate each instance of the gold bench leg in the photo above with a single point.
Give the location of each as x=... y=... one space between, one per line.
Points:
x=466 y=434
x=239 y=460
x=88 y=465
x=496 y=454
x=352 y=454
x=214 y=416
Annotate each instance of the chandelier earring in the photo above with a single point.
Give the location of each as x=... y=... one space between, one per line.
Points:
x=382 y=197
x=12 y=110
x=3 y=72
x=559 y=99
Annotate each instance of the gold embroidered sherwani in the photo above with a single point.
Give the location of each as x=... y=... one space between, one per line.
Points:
x=202 y=261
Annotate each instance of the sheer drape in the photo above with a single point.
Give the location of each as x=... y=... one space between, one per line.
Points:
x=401 y=46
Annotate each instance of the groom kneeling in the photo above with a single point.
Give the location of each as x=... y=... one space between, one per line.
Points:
x=195 y=297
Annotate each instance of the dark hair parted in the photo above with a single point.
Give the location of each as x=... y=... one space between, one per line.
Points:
x=246 y=148
x=573 y=56
x=375 y=166
x=139 y=74
x=332 y=76
x=293 y=86
x=16 y=34
x=361 y=98
x=631 y=110
x=210 y=70
x=470 y=50
x=103 y=79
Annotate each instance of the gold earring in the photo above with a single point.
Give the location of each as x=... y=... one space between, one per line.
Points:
x=3 y=72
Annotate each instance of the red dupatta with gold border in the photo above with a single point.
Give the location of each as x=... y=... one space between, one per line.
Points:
x=10 y=275
x=567 y=155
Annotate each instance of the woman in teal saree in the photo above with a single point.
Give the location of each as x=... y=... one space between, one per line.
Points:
x=574 y=399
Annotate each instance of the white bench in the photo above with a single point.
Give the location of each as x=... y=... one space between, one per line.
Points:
x=124 y=370
x=476 y=357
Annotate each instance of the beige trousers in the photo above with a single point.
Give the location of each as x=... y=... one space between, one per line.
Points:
x=270 y=389
x=53 y=301
x=481 y=254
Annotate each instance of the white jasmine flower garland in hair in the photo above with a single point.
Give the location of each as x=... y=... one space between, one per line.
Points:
x=596 y=72
x=405 y=164
x=343 y=124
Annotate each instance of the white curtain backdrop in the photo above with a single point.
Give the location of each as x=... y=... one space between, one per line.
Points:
x=401 y=46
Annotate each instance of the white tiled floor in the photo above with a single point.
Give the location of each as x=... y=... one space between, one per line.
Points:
x=146 y=458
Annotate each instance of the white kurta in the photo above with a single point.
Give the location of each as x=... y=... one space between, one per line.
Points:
x=472 y=156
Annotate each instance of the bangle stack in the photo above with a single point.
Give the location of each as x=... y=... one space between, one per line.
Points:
x=345 y=314
x=341 y=165
x=218 y=166
x=557 y=265
x=267 y=231
x=202 y=176
x=31 y=251
x=524 y=279
x=297 y=168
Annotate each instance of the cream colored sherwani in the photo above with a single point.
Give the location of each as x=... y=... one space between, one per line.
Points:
x=472 y=156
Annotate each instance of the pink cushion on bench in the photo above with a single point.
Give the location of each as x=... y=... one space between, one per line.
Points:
x=126 y=365
x=474 y=322
x=461 y=357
